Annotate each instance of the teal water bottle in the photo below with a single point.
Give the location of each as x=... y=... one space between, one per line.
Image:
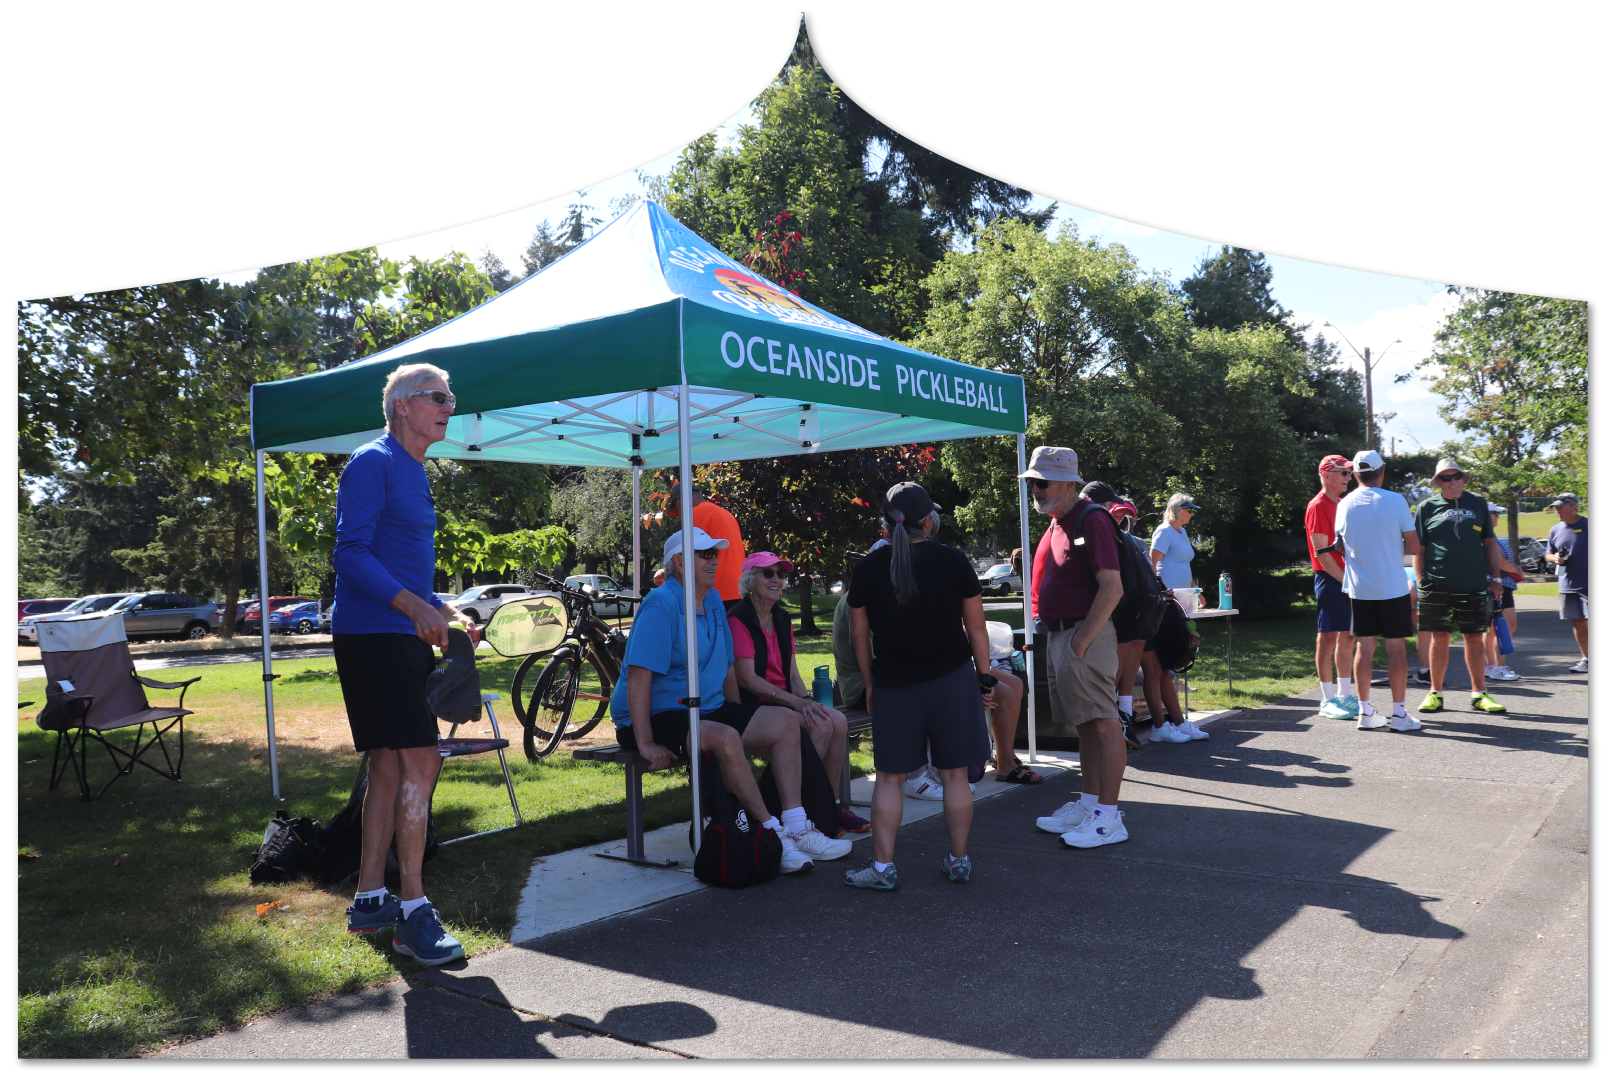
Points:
x=822 y=685
x=1224 y=591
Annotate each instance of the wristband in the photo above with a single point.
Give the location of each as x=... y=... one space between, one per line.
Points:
x=987 y=680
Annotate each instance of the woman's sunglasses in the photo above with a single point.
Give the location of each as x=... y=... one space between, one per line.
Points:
x=769 y=573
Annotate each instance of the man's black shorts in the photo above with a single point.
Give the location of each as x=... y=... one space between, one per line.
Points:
x=382 y=676
x=1387 y=617
x=1439 y=610
x=670 y=728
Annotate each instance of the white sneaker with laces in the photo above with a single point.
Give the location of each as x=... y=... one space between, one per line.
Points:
x=793 y=860
x=1167 y=733
x=1192 y=731
x=1582 y=665
x=1065 y=818
x=817 y=845
x=1405 y=723
x=925 y=786
x=1099 y=829
x=1369 y=721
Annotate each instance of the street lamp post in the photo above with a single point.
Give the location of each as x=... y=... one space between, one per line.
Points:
x=1368 y=363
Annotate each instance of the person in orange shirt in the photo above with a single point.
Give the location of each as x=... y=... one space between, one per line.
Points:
x=719 y=524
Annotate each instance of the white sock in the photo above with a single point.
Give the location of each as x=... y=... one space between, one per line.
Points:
x=1399 y=709
x=1124 y=703
x=774 y=823
x=1327 y=690
x=410 y=905
x=1343 y=686
x=794 y=820
x=881 y=867
x=1109 y=810
x=1366 y=708
x=1089 y=799
x=956 y=858
x=379 y=894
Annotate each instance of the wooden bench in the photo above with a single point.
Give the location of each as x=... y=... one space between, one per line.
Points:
x=635 y=815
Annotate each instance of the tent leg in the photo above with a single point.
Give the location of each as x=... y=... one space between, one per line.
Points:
x=688 y=566
x=267 y=643
x=1026 y=601
x=635 y=527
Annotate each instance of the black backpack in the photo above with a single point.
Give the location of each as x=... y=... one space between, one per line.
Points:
x=1143 y=599
x=287 y=850
x=819 y=796
x=734 y=854
x=1176 y=644
x=339 y=845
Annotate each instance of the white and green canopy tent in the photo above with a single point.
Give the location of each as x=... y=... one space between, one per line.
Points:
x=646 y=347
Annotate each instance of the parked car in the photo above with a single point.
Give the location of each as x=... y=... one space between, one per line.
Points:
x=161 y=615
x=28 y=607
x=90 y=603
x=299 y=617
x=1531 y=554
x=248 y=620
x=478 y=603
x=597 y=584
x=1000 y=579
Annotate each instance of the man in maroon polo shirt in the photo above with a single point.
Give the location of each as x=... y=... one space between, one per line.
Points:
x=1074 y=601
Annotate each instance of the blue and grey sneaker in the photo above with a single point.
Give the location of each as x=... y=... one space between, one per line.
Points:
x=422 y=937
x=885 y=881
x=955 y=869
x=1341 y=708
x=372 y=916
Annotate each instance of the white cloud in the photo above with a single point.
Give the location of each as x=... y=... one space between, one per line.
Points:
x=1109 y=226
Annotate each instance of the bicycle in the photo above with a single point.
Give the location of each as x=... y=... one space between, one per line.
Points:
x=545 y=702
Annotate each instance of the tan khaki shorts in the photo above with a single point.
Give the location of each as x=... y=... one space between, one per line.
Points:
x=1082 y=688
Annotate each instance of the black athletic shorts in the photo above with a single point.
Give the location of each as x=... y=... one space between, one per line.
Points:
x=944 y=715
x=382 y=676
x=1387 y=617
x=670 y=728
x=1508 y=599
x=1439 y=610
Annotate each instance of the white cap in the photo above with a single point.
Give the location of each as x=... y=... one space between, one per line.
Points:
x=1368 y=461
x=700 y=540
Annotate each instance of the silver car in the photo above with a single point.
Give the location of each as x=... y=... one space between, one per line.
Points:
x=1000 y=579
x=478 y=603
x=160 y=615
x=90 y=603
x=599 y=586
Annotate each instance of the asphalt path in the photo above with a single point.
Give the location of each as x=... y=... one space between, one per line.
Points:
x=1293 y=888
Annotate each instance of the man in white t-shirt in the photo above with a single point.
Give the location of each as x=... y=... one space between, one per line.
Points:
x=1377 y=530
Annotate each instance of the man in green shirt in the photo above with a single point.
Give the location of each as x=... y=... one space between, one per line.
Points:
x=1458 y=568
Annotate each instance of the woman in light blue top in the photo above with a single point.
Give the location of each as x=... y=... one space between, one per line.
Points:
x=1169 y=548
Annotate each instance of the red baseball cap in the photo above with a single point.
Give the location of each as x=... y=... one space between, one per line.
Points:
x=1335 y=461
x=1119 y=509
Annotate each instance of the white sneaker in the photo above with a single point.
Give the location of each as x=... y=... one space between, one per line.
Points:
x=925 y=786
x=1500 y=672
x=1065 y=818
x=1167 y=733
x=793 y=860
x=1369 y=721
x=1096 y=831
x=817 y=845
x=1582 y=665
x=1404 y=723
x=1191 y=730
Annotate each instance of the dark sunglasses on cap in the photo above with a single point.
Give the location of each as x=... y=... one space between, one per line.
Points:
x=438 y=397
x=711 y=554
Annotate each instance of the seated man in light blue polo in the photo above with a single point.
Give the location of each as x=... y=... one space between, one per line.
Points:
x=650 y=717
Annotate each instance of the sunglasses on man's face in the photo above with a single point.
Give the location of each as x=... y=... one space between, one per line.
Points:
x=1037 y=484
x=1457 y=478
x=437 y=397
x=708 y=555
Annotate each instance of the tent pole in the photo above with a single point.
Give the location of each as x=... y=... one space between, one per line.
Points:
x=267 y=643
x=688 y=566
x=1026 y=549
x=635 y=516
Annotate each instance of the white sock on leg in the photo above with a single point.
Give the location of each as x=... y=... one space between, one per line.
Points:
x=1343 y=686
x=1327 y=690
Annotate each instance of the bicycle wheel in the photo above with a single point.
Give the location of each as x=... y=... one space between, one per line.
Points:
x=548 y=702
x=591 y=700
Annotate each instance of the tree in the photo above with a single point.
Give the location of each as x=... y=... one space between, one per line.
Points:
x=1514 y=372
x=1232 y=289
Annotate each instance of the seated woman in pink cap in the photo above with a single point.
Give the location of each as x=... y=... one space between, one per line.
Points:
x=766 y=668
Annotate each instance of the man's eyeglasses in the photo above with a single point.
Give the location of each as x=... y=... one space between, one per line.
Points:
x=1037 y=484
x=708 y=555
x=769 y=573
x=438 y=397
x=1459 y=478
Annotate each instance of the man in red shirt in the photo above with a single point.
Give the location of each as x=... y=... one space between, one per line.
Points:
x=719 y=524
x=1074 y=597
x=1332 y=604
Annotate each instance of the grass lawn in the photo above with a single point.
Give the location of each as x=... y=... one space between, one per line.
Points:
x=1537 y=525
x=138 y=926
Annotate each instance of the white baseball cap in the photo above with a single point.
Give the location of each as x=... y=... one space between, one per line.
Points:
x=1368 y=461
x=700 y=540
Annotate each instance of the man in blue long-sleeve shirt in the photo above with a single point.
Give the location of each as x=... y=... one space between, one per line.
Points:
x=386 y=618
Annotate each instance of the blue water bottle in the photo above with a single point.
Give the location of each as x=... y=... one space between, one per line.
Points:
x=1502 y=634
x=1224 y=591
x=822 y=685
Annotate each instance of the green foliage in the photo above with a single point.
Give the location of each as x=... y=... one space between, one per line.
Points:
x=1231 y=289
x=469 y=547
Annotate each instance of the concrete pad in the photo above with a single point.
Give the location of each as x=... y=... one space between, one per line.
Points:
x=405 y=1021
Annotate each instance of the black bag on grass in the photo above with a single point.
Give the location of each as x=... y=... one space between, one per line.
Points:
x=819 y=793
x=287 y=850
x=734 y=854
x=339 y=845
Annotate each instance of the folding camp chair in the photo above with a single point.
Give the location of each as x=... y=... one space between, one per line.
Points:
x=91 y=689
